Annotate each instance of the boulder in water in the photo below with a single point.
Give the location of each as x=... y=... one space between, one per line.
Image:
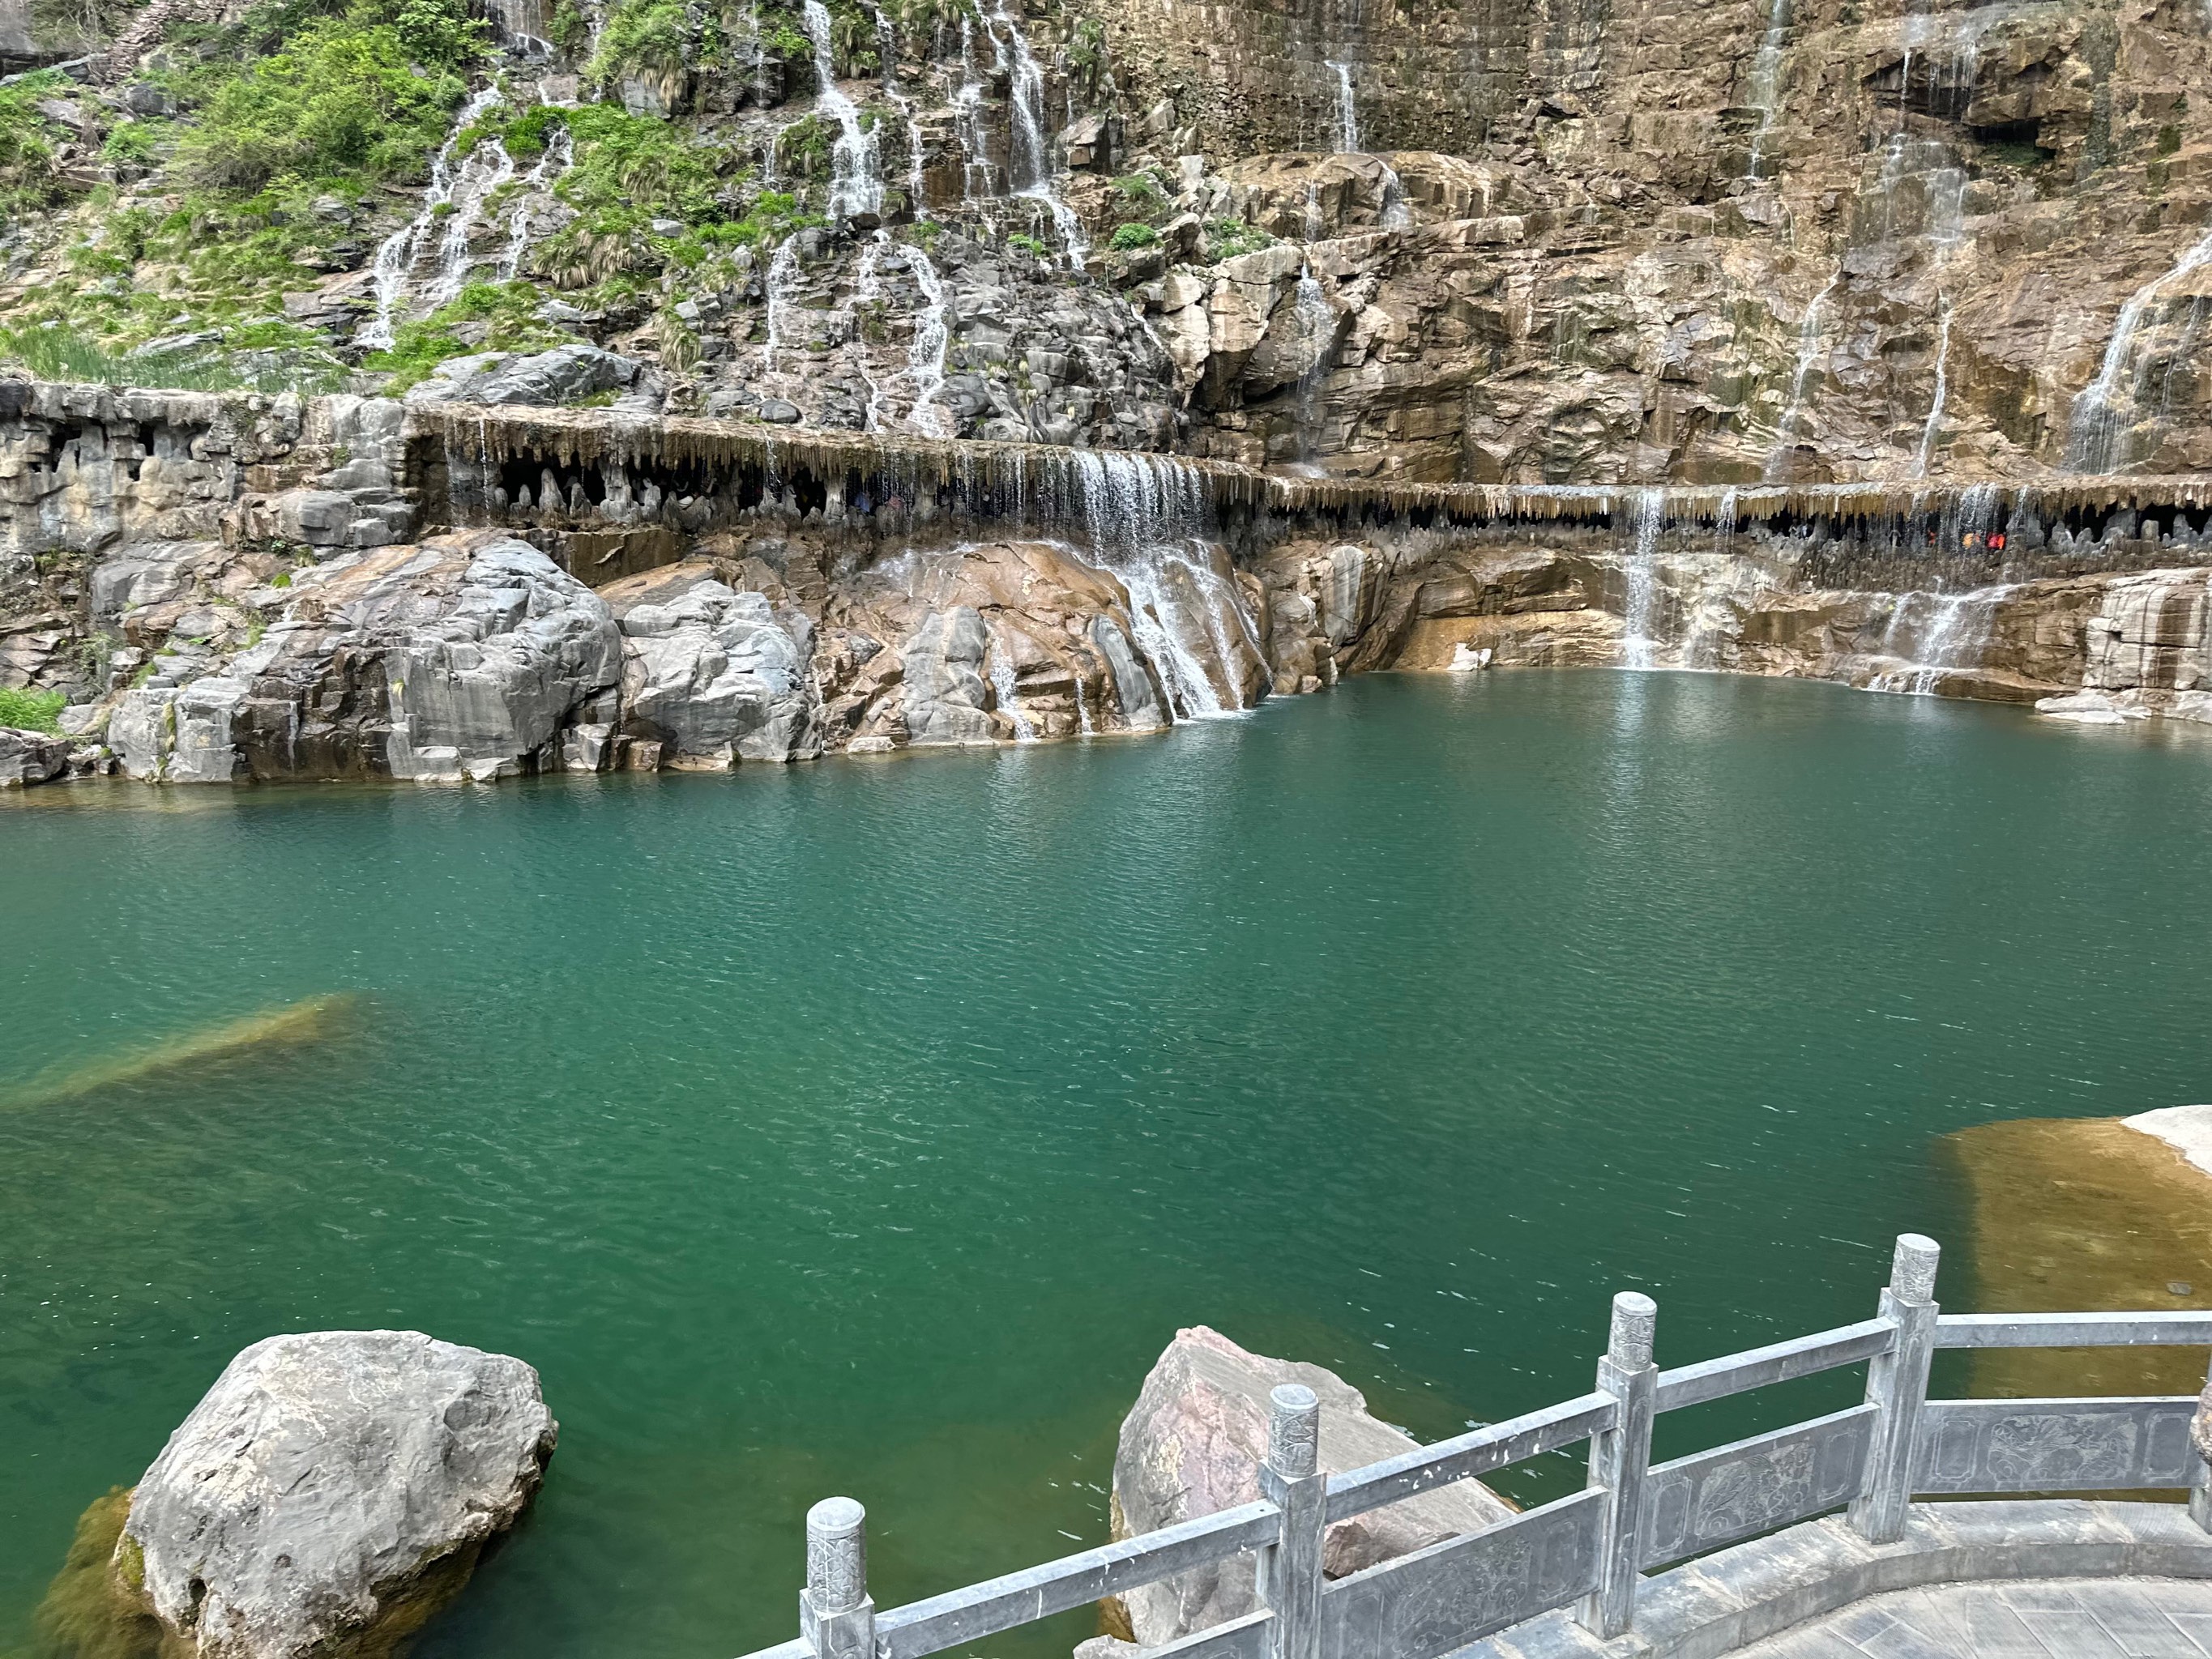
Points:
x=1192 y=1444
x=717 y=676
x=330 y=1494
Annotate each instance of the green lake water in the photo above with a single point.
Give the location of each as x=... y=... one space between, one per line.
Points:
x=869 y=1126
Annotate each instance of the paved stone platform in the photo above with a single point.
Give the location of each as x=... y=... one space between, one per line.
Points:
x=2053 y=1619
x=2024 y=1578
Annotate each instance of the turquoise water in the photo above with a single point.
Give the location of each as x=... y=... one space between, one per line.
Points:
x=869 y=1126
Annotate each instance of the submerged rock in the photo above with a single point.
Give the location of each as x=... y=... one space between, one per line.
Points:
x=331 y=1491
x=1193 y=1446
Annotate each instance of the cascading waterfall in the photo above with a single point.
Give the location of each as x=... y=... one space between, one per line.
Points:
x=1316 y=322
x=488 y=167
x=1029 y=161
x=2103 y=418
x=1347 y=110
x=1145 y=516
x=1809 y=351
x=782 y=272
x=967 y=114
x=856 y=185
x=925 y=352
x=550 y=166
x=1639 y=645
x=1928 y=433
x=396 y=255
x=1008 y=699
x=1948 y=634
x=867 y=287
x=1766 y=79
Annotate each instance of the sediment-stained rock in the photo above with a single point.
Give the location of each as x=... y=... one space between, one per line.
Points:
x=1192 y=1444
x=29 y=757
x=330 y=1492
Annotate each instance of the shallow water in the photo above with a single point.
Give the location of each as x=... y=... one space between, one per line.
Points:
x=869 y=1126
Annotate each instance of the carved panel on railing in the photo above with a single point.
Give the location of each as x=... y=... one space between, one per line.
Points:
x=1451 y=1593
x=2053 y=1445
x=1697 y=1503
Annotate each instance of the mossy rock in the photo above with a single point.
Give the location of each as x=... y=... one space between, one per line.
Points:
x=93 y=1609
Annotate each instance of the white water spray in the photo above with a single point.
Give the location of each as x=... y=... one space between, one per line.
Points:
x=856 y=183
x=550 y=166
x=1809 y=353
x=1029 y=162
x=396 y=256
x=1766 y=79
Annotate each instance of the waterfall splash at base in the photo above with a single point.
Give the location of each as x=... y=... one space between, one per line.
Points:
x=1639 y=642
x=1939 y=634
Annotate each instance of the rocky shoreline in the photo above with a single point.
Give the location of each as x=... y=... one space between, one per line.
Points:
x=219 y=589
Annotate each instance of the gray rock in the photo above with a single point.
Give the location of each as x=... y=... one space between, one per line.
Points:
x=778 y=412
x=331 y=1490
x=565 y=375
x=29 y=757
x=946 y=700
x=1192 y=1446
x=718 y=677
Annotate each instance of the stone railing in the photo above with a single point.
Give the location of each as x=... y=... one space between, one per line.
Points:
x=1591 y=1550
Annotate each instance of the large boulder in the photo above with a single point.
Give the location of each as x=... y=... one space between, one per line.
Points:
x=28 y=757
x=566 y=375
x=1193 y=1445
x=715 y=675
x=466 y=656
x=330 y=1492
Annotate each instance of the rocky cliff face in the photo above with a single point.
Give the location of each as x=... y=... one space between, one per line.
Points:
x=1608 y=246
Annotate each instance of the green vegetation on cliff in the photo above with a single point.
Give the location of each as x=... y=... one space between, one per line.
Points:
x=31 y=711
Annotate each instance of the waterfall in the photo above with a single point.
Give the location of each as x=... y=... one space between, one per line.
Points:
x=550 y=166
x=1694 y=653
x=1145 y=516
x=856 y=185
x=472 y=187
x=1942 y=388
x=1009 y=702
x=1808 y=348
x=2103 y=417
x=925 y=352
x=396 y=255
x=1950 y=634
x=1766 y=79
x=967 y=114
x=867 y=285
x=1347 y=110
x=1638 y=645
x=1316 y=322
x=1396 y=215
x=887 y=51
x=1029 y=162
x=782 y=272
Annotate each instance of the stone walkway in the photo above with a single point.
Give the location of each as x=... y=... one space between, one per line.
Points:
x=2046 y=1619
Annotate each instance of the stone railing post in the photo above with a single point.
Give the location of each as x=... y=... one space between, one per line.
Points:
x=1618 y=1458
x=2200 y=1441
x=1290 y=1571
x=1897 y=1385
x=837 y=1617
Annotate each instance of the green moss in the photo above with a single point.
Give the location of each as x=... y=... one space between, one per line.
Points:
x=30 y=177
x=1024 y=243
x=508 y=310
x=2169 y=139
x=87 y=1613
x=31 y=711
x=1227 y=238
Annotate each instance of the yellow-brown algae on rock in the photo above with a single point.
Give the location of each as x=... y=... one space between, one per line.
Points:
x=2088 y=1215
x=315 y=1020
x=84 y=1614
